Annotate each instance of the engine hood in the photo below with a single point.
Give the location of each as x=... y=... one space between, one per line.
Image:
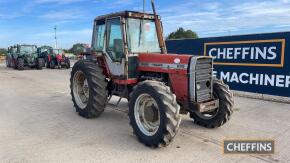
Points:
x=169 y=63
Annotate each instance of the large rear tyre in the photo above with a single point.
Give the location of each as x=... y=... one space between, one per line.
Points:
x=52 y=64
x=40 y=63
x=88 y=89
x=222 y=114
x=154 y=113
x=20 y=64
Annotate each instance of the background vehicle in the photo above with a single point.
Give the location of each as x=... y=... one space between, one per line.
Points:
x=131 y=62
x=57 y=58
x=9 y=60
x=21 y=56
x=43 y=52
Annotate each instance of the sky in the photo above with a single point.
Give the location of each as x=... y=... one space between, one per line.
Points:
x=32 y=21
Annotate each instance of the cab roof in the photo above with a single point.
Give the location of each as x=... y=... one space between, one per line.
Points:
x=24 y=45
x=127 y=14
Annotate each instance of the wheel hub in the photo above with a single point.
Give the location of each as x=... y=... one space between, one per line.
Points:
x=80 y=89
x=86 y=88
x=147 y=114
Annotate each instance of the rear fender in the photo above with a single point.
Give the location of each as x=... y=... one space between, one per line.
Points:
x=101 y=61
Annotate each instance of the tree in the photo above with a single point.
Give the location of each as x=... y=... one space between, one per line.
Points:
x=181 y=34
x=77 y=48
x=3 y=51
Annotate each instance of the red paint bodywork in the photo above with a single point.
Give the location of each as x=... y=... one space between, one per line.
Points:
x=48 y=57
x=178 y=77
x=103 y=64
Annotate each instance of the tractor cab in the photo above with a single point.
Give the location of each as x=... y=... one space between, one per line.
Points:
x=28 y=53
x=29 y=50
x=59 y=54
x=121 y=36
x=12 y=49
x=57 y=58
x=44 y=51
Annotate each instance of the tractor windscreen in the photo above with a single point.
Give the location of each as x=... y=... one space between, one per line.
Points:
x=142 y=36
x=27 y=49
x=45 y=50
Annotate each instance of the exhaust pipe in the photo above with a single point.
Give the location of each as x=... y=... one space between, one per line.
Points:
x=159 y=30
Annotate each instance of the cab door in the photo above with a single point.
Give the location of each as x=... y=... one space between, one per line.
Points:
x=108 y=36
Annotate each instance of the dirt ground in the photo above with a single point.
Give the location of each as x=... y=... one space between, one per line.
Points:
x=39 y=124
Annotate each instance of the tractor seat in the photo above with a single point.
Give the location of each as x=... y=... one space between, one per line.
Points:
x=118 y=48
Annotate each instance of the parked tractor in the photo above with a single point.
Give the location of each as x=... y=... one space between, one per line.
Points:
x=57 y=58
x=130 y=61
x=21 y=56
x=44 y=52
x=9 y=60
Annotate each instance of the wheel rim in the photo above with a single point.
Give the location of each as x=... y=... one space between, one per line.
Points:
x=81 y=89
x=147 y=114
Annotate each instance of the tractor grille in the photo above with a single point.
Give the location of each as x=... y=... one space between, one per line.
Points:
x=203 y=78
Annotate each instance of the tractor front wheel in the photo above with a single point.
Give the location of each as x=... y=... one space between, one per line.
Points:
x=88 y=89
x=52 y=64
x=154 y=113
x=20 y=64
x=222 y=114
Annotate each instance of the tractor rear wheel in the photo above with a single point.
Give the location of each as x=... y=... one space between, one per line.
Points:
x=222 y=114
x=40 y=63
x=88 y=89
x=52 y=64
x=47 y=63
x=154 y=113
x=20 y=64
x=68 y=64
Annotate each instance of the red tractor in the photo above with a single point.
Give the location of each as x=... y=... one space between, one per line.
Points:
x=57 y=58
x=130 y=61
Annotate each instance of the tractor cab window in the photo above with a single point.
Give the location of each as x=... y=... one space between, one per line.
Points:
x=27 y=49
x=115 y=45
x=142 y=36
x=99 y=35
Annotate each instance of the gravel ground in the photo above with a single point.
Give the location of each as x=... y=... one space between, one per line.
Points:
x=39 y=124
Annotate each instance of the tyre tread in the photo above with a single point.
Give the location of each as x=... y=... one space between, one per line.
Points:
x=173 y=117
